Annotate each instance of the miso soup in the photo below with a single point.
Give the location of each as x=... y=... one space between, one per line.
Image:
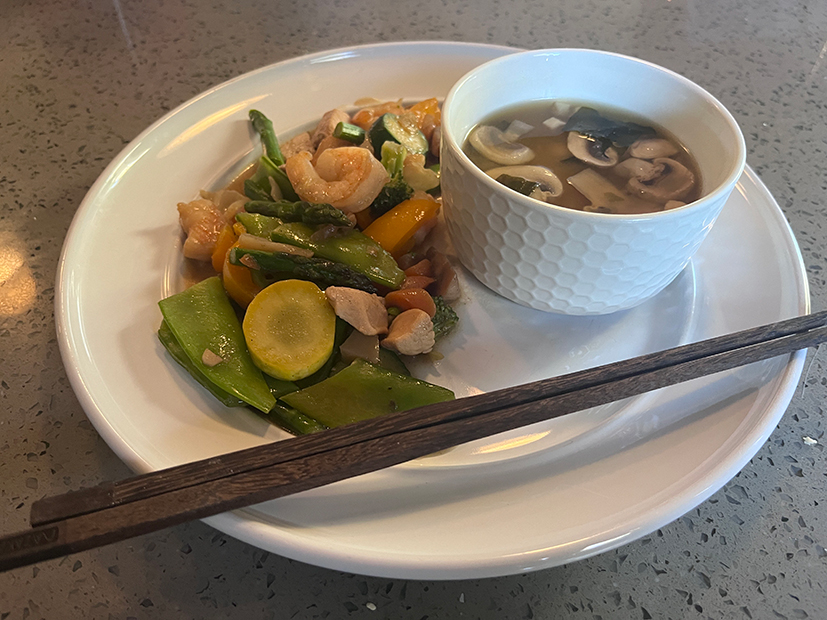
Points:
x=573 y=155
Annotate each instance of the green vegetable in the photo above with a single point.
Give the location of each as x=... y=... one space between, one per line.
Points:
x=202 y=318
x=177 y=352
x=363 y=391
x=590 y=122
x=293 y=421
x=258 y=186
x=391 y=361
x=265 y=171
x=257 y=224
x=286 y=417
x=319 y=270
x=357 y=251
x=396 y=190
x=279 y=387
x=393 y=157
x=445 y=318
x=393 y=128
x=518 y=184
x=265 y=129
x=300 y=211
x=254 y=192
x=351 y=133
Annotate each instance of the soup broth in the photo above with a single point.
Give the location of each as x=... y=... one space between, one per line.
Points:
x=575 y=156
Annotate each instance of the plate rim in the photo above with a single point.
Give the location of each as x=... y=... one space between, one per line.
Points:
x=244 y=526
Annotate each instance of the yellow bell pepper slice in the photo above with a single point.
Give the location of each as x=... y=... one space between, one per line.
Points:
x=395 y=230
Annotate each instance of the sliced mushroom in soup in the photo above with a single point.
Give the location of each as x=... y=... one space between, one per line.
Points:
x=574 y=155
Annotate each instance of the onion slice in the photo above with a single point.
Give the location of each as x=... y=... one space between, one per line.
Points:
x=251 y=242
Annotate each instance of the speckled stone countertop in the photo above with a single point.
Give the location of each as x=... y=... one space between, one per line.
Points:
x=80 y=79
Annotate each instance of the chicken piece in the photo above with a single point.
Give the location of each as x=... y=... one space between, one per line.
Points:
x=328 y=124
x=201 y=221
x=366 y=312
x=411 y=333
x=297 y=144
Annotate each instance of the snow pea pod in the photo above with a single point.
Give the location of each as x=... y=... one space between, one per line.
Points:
x=362 y=391
x=352 y=248
x=202 y=318
x=257 y=224
x=177 y=352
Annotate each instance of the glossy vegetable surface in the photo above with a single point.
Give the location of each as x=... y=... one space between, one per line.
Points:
x=363 y=391
x=201 y=318
x=352 y=248
x=395 y=230
x=289 y=328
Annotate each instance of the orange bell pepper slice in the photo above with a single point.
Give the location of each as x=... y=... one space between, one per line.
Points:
x=226 y=239
x=424 y=108
x=395 y=230
x=238 y=282
x=365 y=117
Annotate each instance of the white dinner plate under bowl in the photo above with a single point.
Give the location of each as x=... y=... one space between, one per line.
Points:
x=529 y=499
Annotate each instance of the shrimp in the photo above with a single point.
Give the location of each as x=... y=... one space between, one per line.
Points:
x=349 y=177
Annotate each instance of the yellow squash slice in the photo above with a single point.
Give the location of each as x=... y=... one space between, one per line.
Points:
x=290 y=329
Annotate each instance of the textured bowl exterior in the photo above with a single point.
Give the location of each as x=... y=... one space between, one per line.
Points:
x=561 y=260
x=568 y=261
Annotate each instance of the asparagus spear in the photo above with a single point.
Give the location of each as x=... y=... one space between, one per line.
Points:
x=320 y=270
x=300 y=211
x=254 y=192
x=258 y=187
x=266 y=170
x=264 y=127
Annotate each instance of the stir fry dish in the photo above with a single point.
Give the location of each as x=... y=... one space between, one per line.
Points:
x=325 y=280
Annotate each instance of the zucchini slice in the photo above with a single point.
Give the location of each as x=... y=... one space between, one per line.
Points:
x=390 y=127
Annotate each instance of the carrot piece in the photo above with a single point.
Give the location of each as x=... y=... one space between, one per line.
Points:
x=417 y=282
x=408 y=298
x=226 y=239
x=422 y=268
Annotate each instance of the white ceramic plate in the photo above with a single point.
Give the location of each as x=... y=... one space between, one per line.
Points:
x=530 y=499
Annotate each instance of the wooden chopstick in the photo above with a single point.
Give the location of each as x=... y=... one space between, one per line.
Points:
x=111 y=494
x=143 y=504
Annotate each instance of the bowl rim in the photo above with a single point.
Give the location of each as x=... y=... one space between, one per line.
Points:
x=721 y=191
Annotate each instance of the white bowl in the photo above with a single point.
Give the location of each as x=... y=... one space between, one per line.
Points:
x=563 y=260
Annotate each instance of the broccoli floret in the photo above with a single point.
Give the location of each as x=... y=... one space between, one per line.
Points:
x=395 y=191
x=445 y=318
